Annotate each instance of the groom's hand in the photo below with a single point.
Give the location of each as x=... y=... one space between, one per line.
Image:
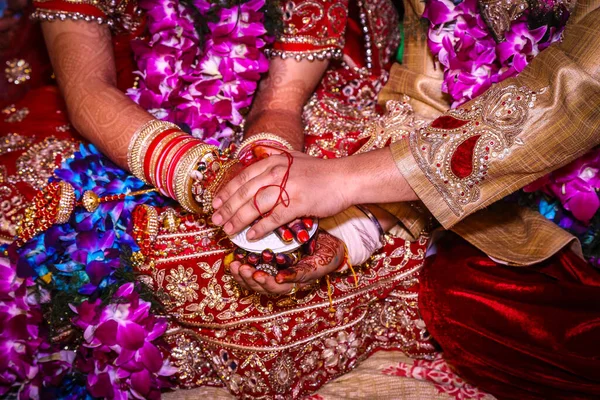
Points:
x=311 y=187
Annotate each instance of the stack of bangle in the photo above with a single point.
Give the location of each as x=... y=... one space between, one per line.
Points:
x=174 y=162
x=244 y=151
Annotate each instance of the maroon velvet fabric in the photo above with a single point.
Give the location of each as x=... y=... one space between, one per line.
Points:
x=515 y=332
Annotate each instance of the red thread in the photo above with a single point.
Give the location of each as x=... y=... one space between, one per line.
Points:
x=283 y=197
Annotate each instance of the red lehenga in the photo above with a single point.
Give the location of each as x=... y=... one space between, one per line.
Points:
x=257 y=346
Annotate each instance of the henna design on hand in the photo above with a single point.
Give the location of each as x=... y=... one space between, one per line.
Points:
x=326 y=258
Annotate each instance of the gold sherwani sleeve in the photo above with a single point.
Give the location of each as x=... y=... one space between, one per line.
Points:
x=515 y=133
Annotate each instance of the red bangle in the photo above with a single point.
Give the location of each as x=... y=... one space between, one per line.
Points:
x=151 y=149
x=174 y=161
x=162 y=158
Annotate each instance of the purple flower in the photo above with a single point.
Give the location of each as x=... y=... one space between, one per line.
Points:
x=27 y=361
x=202 y=86
x=472 y=60
x=576 y=186
x=122 y=357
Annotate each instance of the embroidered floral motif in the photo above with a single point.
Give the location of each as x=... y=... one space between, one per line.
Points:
x=340 y=350
x=440 y=375
x=187 y=356
x=38 y=163
x=313 y=30
x=457 y=149
x=500 y=13
x=182 y=285
x=283 y=374
x=395 y=125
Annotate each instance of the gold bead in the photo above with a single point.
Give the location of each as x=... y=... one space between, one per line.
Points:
x=90 y=201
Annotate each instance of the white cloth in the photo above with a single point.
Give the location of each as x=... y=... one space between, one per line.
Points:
x=355 y=229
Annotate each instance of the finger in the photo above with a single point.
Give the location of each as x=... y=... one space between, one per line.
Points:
x=329 y=254
x=244 y=176
x=243 y=195
x=246 y=272
x=262 y=152
x=249 y=212
x=269 y=284
x=299 y=230
x=308 y=223
x=268 y=224
x=244 y=217
x=285 y=234
x=234 y=270
x=284 y=260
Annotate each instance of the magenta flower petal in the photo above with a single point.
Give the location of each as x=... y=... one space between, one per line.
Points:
x=140 y=382
x=131 y=335
x=151 y=357
x=107 y=332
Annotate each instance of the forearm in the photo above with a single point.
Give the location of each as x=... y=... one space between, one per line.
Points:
x=82 y=57
x=281 y=97
x=371 y=177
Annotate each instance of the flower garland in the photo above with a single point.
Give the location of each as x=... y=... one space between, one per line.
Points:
x=203 y=87
x=471 y=58
x=472 y=61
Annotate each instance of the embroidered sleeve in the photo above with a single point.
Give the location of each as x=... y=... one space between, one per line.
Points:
x=120 y=13
x=469 y=158
x=313 y=29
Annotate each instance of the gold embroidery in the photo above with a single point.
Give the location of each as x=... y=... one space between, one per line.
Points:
x=182 y=285
x=500 y=13
x=13 y=114
x=14 y=142
x=17 y=71
x=38 y=163
x=395 y=125
x=489 y=128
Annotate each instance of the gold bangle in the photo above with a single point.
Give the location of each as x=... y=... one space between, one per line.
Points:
x=157 y=152
x=209 y=192
x=182 y=179
x=262 y=136
x=168 y=158
x=139 y=143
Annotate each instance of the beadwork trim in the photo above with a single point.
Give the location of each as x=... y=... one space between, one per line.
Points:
x=495 y=119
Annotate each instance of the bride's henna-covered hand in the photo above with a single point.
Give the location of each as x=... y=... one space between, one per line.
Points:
x=327 y=257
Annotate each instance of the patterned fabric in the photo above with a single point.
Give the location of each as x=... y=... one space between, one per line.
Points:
x=259 y=345
x=343 y=106
x=570 y=72
x=385 y=375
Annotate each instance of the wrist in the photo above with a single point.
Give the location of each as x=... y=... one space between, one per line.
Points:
x=373 y=177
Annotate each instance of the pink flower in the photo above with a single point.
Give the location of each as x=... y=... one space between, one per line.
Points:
x=27 y=360
x=122 y=356
x=203 y=88
x=576 y=186
x=471 y=58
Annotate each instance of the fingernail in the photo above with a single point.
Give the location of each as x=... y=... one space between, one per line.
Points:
x=252 y=258
x=285 y=234
x=303 y=236
x=217 y=202
x=228 y=228
x=267 y=255
x=259 y=277
x=217 y=219
x=250 y=234
x=308 y=222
